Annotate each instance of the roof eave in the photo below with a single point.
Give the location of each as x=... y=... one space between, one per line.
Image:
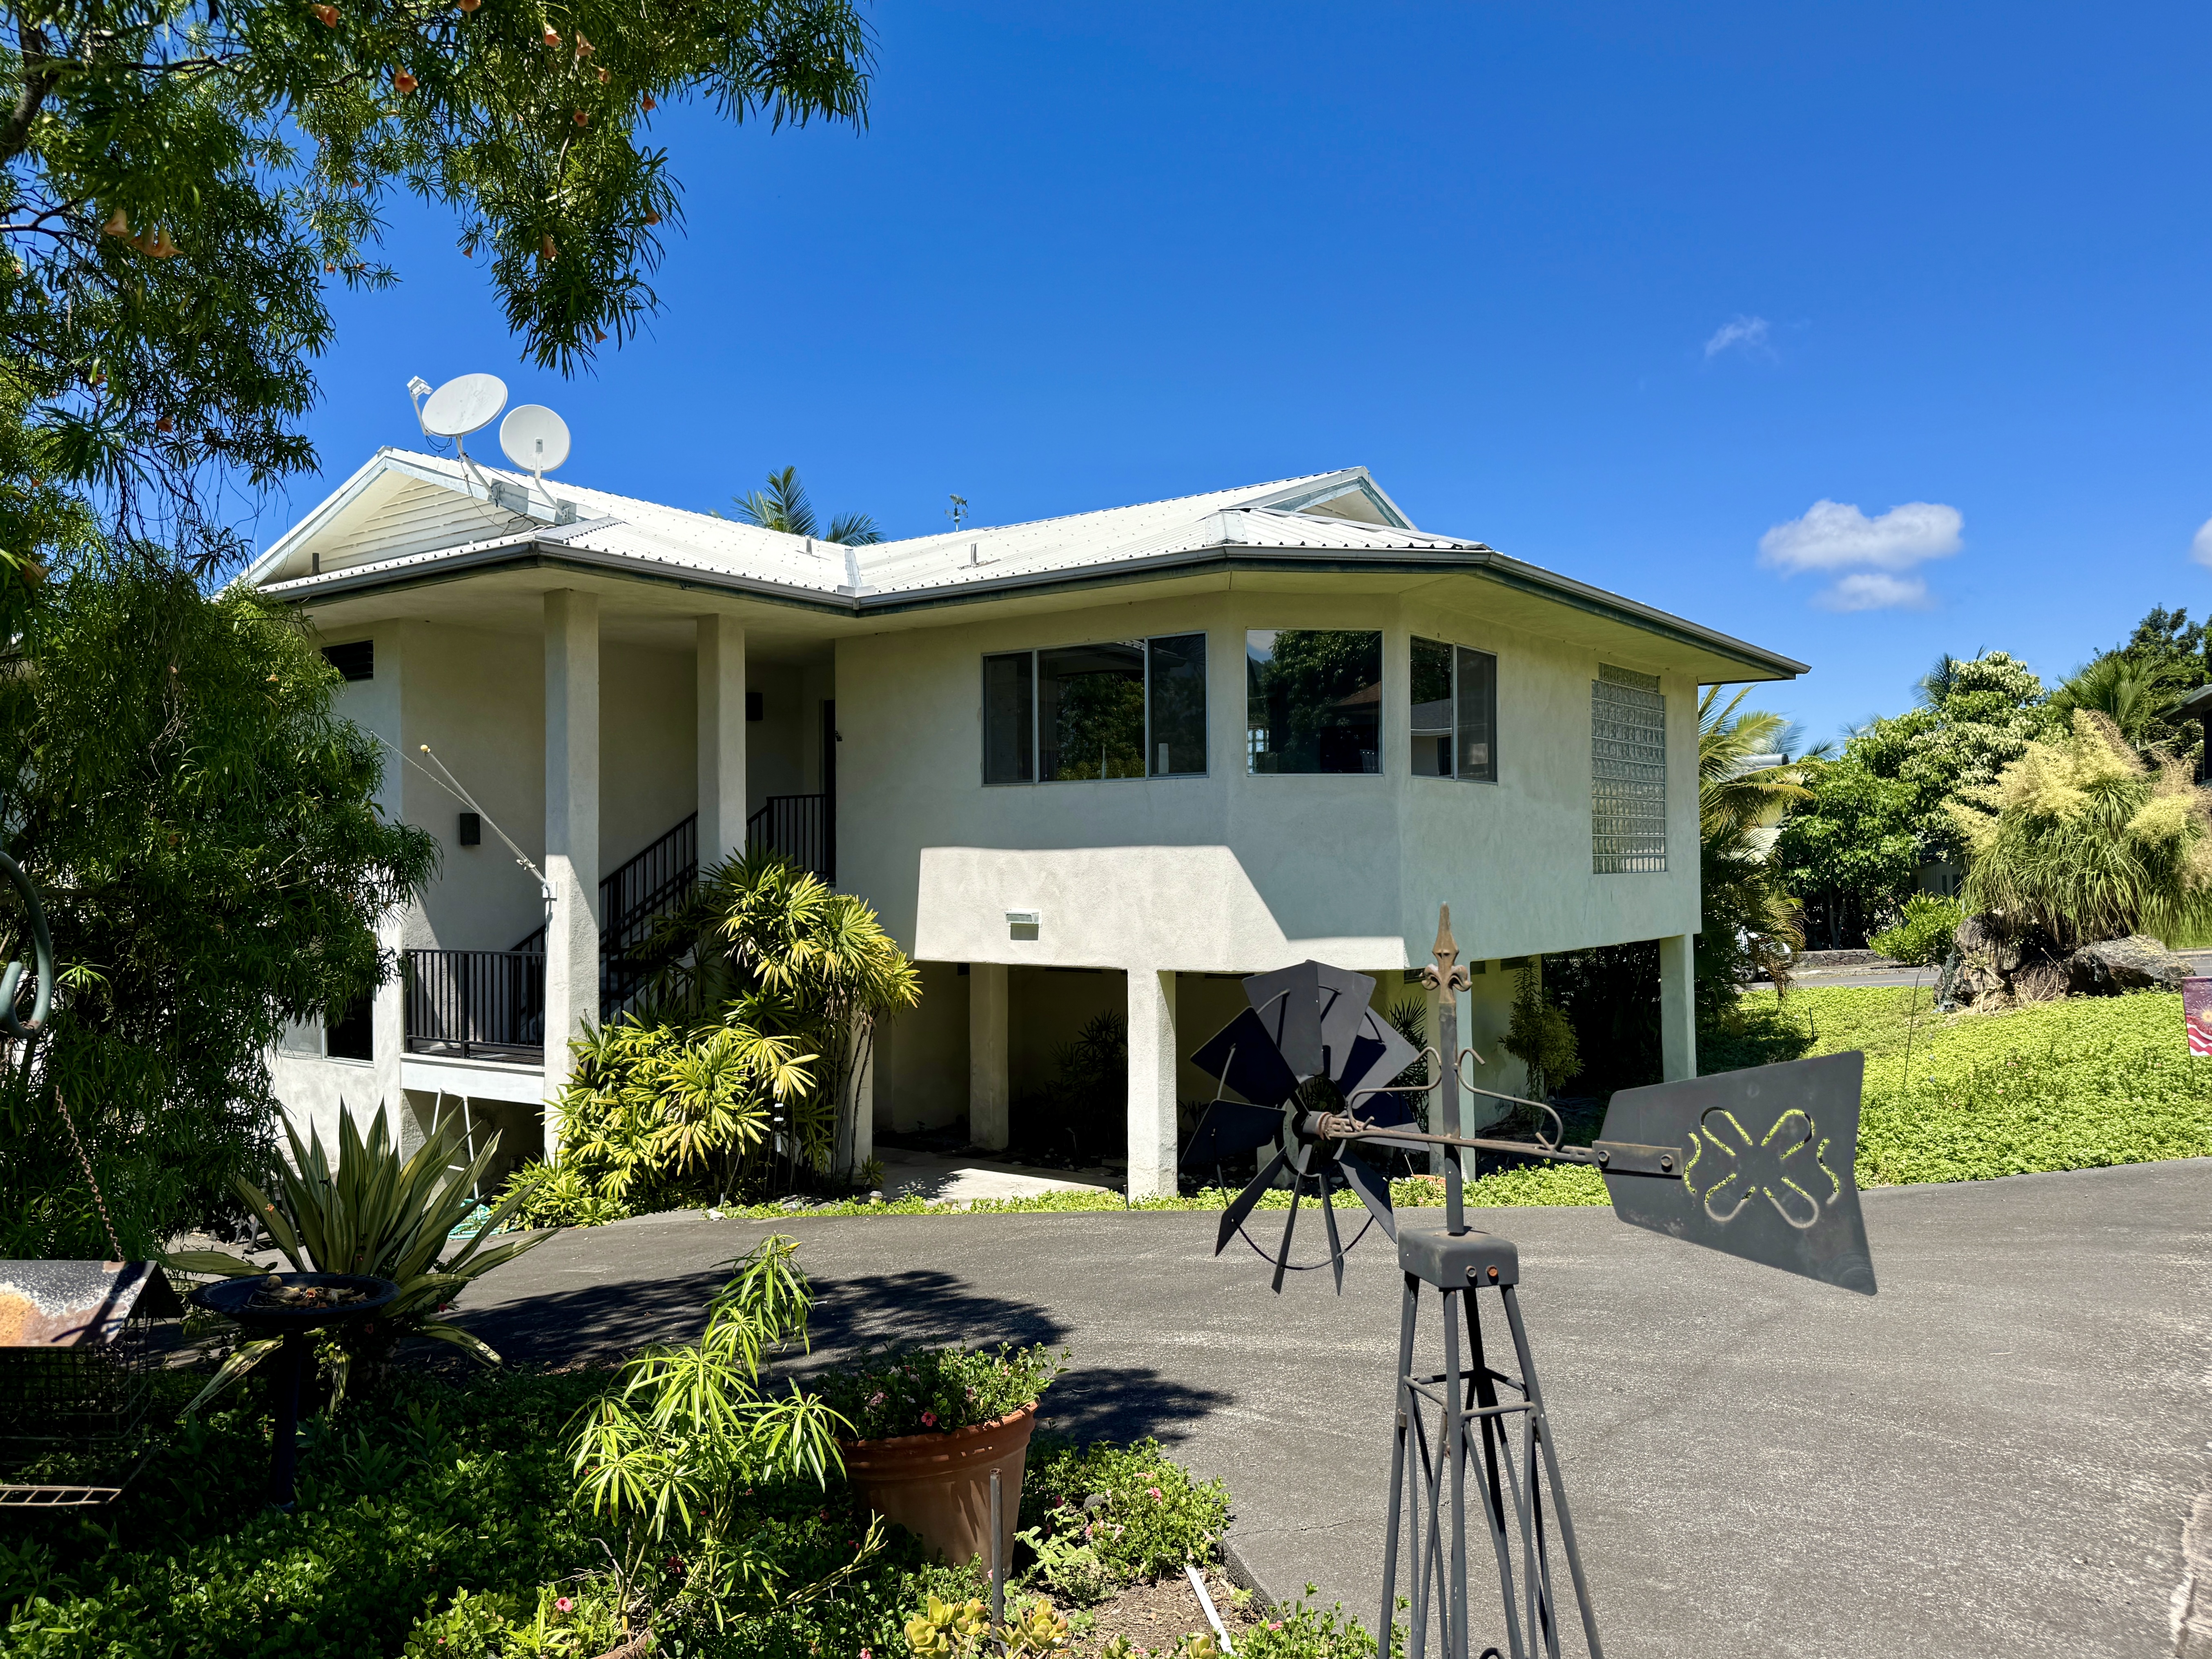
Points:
x=554 y=551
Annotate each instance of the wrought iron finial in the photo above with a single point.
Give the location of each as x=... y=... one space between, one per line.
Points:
x=1448 y=973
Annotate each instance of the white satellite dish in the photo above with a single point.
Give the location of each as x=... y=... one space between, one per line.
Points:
x=466 y=405
x=535 y=438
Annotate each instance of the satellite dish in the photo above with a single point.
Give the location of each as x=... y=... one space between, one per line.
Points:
x=534 y=437
x=464 y=405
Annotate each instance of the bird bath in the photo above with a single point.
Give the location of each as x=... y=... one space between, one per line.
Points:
x=293 y=1306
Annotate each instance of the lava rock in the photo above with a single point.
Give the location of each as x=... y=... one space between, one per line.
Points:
x=2133 y=964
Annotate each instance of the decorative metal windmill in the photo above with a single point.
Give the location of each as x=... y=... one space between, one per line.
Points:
x=1757 y=1163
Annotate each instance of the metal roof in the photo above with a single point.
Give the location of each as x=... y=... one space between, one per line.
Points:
x=1291 y=522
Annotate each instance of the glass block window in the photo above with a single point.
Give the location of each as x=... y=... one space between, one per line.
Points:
x=1628 y=773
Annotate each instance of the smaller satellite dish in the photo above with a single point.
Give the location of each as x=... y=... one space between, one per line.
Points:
x=464 y=405
x=534 y=437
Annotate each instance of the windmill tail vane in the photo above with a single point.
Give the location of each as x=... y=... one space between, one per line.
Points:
x=1756 y=1163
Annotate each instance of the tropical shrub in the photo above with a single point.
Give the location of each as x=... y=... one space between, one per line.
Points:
x=1921 y=935
x=1143 y=1514
x=379 y=1215
x=671 y=1456
x=764 y=945
x=1540 y=1036
x=653 y=1112
x=936 y=1390
x=2078 y=837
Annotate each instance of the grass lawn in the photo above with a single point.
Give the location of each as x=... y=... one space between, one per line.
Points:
x=2073 y=1084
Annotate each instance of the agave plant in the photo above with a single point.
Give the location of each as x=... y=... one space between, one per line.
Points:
x=376 y=1215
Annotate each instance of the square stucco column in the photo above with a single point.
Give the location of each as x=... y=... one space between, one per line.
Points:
x=1152 y=1083
x=571 y=828
x=990 y=1118
x=1678 y=1010
x=721 y=656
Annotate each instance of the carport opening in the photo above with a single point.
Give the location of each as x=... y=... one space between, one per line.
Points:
x=1067 y=1061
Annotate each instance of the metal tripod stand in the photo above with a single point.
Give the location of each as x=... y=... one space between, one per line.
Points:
x=1445 y=1421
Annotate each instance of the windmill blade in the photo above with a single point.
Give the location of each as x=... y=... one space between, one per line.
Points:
x=1228 y=1128
x=1240 y=1206
x=1335 y=1243
x=1287 y=1005
x=1374 y=1190
x=1766 y=1157
x=1243 y=1055
x=1290 y=1226
x=1376 y=1053
x=1344 y=1013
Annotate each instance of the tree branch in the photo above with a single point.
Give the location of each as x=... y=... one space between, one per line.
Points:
x=41 y=75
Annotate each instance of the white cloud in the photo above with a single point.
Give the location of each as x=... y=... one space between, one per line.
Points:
x=1745 y=334
x=1832 y=536
x=2200 y=548
x=1876 y=590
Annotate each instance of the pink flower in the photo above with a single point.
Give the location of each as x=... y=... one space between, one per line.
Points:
x=1155 y=1491
x=875 y=1399
x=929 y=1419
x=562 y=1605
x=866 y=1654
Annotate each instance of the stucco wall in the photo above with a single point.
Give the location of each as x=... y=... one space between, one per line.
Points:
x=1231 y=872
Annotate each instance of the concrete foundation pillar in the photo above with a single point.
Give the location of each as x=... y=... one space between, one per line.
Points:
x=1152 y=1057
x=572 y=830
x=1678 y=1007
x=990 y=1096
x=721 y=657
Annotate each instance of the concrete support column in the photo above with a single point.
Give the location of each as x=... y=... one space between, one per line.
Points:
x=1152 y=1083
x=721 y=654
x=572 y=830
x=1678 y=1008
x=990 y=1097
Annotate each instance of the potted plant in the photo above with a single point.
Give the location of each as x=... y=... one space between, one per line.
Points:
x=929 y=1424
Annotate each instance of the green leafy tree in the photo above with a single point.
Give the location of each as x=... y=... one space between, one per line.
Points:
x=2136 y=684
x=782 y=504
x=183 y=180
x=2080 y=838
x=1750 y=920
x=1853 y=849
x=1540 y=1036
x=204 y=828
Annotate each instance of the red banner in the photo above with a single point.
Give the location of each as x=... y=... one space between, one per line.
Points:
x=2196 y=1012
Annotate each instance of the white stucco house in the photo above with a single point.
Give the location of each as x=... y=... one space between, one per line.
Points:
x=1106 y=762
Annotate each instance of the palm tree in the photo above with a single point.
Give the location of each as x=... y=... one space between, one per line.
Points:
x=2127 y=694
x=783 y=506
x=1745 y=786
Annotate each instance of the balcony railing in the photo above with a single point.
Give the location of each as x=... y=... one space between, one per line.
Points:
x=473 y=1005
x=801 y=827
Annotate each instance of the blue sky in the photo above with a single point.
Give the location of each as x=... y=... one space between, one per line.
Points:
x=1621 y=289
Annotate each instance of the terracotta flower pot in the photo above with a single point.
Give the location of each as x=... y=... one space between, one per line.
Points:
x=937 y=1487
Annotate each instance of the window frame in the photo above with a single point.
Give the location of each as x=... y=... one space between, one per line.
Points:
x=1144 y=642
x=1413 y=642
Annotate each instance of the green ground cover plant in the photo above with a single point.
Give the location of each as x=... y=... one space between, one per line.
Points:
x=2077 y=1084
x=936 y=1390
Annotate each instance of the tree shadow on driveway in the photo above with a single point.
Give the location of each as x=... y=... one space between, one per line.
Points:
x=605 y=1322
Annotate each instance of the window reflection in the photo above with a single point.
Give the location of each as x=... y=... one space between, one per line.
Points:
x=1314 y=700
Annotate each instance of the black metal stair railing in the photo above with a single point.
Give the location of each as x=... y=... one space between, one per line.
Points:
x=801 y=829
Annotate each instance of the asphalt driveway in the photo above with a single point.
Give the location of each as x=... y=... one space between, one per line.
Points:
x=1993 y=1457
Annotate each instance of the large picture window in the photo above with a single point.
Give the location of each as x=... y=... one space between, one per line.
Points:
x=1314 y=700
x=1455 y=699
x=1127 y=708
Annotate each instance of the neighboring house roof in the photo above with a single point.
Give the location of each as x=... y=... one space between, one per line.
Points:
x=404 y=518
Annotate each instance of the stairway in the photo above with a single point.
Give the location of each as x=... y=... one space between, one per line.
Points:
x=637 y=894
